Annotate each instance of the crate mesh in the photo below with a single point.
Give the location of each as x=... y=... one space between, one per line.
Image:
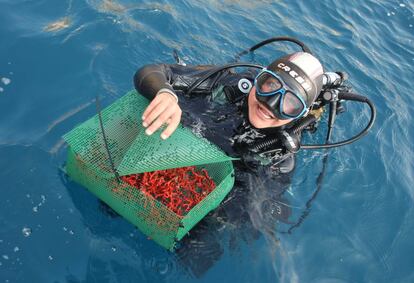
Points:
x=134 y=152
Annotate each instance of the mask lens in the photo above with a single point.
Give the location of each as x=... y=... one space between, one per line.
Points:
x=292 y=106
x=267 y=83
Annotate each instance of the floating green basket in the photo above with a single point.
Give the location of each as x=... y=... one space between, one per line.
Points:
x=133 y=152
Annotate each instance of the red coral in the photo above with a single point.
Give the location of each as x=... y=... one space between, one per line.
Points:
x=180 y=189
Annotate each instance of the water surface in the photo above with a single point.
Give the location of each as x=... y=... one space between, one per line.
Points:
x=56 y=56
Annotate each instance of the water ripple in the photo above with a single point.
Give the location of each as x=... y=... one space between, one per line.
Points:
x=64 y=53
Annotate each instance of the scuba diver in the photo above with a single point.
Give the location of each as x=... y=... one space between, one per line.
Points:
x=265 y=111
x=258 y=115
x=269 y=101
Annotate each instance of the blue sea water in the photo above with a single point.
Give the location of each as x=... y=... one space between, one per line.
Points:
x=56 y=56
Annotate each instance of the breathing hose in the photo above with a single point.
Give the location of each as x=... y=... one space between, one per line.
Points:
x=211 y=73
x=198 y=82
x=351 y=97
x=270 y=40
x=296 y=129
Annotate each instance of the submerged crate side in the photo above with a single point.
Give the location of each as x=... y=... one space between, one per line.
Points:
x=223 y=174
x=151 y=217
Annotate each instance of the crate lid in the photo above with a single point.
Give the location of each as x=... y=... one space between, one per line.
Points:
x=132 y=151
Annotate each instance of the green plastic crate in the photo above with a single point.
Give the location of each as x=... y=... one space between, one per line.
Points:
x=134 y=152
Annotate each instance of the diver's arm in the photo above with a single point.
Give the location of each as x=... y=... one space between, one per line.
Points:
x=150 y=79
x=159 y=83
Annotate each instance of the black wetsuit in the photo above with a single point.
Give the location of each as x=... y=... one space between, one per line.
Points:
x=218 y=106
x=217 y=110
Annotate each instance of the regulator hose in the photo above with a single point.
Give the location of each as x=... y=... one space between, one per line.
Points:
x=198 y=82
x=256 y=147
x=211 y=73
x=305 y=122
x=296 y=129
x=351 y=97
x=270 y=40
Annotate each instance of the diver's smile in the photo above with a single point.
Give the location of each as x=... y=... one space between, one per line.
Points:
x=263 y=113
x=260 y=116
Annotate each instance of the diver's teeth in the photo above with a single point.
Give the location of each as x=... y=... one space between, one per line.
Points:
x=264 y=114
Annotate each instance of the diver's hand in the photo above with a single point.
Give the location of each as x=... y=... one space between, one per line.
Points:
x=163 y=109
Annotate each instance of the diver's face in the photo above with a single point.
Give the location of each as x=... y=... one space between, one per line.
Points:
x=259 y=116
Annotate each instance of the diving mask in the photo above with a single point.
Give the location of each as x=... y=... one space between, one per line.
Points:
x=284 y=102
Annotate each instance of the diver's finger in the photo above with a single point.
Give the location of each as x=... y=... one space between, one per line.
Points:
x=172 y=125
x=160 y=120
x=157 y=111
x=151 y=106
x=164 y=97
